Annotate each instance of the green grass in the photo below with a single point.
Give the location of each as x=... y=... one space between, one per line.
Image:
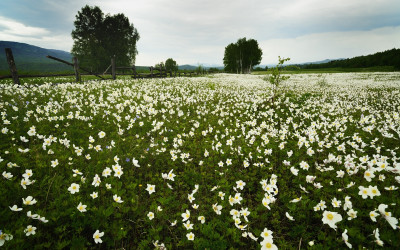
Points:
x=212 y=132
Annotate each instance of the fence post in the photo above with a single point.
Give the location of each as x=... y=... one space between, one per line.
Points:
x=76 y=70
x=113 y=68
x=11 y=64
x=134 y=71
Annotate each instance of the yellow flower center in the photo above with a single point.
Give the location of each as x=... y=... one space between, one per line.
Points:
x=374 y=191
x=330 y=216
x=367 y=174
x=365 y=191
x=268 y=245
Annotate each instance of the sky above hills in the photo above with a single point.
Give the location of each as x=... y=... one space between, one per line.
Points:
x=195 y=32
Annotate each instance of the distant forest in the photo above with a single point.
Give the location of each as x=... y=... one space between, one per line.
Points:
x=385 y=58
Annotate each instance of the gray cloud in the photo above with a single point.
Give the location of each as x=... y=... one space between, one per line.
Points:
x=198 y=31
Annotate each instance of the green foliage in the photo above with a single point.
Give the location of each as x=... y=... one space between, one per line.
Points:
x=98 y=37
x=276 y=77
x=242 y=56
x=171 y=65
x=379 y=59
x=199 y=69
x=155 y=120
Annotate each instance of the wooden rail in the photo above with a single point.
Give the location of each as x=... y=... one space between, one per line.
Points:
x=154 y=71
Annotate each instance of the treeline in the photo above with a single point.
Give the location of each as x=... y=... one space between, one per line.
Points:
x=385 y=58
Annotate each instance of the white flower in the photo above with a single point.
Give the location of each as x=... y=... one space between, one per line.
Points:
x=74 y=188
x=30 y=230
x=202 y=219
x=373 y=215
x=97 y=236
x=171 y=175
x=186 y=215
x=364 y=192
x=188 y=225
x=25 y=182
x=135 y=163
x=345 y=238
x=240 y=184
x=368 y=175
x=294 y=171
x=32 y=216
x=388 y=216
x=245 y=212
x=268 y=244
x=289 y=217
x=117 y=198
x=331 y=218
x=150 y=215
x=373 y=191
x=29 y=200
x=102 y=134
x=15 y=208
x=267 y=234
x=336 y=203
x=352 y=214
x=43 y=219
x=296 y=200
x=28 y=173
x=96 y=180
x=377 y=237
x=191 y=198
x=54 y=163
x=151 y=188
x=190 y=236
x=217 y=208
x=7 y=175
x=81 y=207
x=4 y=237
x=94 y=195
x=106 y=172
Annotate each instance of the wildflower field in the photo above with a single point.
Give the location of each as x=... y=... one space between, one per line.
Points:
x=210 y=162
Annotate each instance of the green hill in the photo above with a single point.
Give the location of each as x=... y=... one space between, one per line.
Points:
x=29 y=58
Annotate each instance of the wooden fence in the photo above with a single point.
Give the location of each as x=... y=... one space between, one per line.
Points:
x=154 y=72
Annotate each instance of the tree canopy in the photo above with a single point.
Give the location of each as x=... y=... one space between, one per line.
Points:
x=242 y=56
x=385 y=58
x=98 y=37
x=171 y=65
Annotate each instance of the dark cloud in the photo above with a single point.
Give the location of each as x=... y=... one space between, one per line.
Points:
x=198 y=31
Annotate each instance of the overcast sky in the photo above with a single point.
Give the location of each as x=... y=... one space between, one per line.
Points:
x=193 y=32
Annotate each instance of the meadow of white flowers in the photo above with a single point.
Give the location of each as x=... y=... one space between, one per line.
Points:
x=207 y=162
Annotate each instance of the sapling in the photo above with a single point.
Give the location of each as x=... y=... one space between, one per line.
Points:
x=276 y=78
